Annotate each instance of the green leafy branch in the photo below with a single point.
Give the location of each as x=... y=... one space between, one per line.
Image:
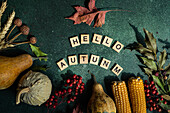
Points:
x=154 y=67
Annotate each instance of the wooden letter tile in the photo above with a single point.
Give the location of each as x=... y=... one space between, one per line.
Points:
x=97 y=39
x=84 y=38
x=62 y=64
x=107 y=41
x=83 y=59
x=105 y=63
x=94 y=59
x=74 y=41
x=72 y=60
x=117 y=69
x=118 y=46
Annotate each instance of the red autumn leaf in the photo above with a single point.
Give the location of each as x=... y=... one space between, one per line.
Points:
x=87 y=15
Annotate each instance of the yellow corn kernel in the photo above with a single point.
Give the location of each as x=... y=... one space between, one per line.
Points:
x=120 y=94
x=137 y=95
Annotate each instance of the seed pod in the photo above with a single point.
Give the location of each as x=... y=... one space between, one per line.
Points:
x=18 y=22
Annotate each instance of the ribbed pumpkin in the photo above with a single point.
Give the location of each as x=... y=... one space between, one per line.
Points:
x=34 y=88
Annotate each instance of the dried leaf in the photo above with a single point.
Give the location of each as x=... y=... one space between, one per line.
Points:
x=158 y=82
x=167 y=69
x=91 y=5
x=167 y=97
x=165 y=106
x=148 y=71
x=150 y=41
x=162 y=58
x=149 y=63
x=87 y=15
x=38 y=52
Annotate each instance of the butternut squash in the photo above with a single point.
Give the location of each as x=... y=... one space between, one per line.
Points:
x=11 y=67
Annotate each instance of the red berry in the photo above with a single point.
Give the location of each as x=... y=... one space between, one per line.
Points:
x=150 y=85
x=74 y=97
x=161 y=96
x=46 y=104
x=161 y=99
x=68 y=101
x=155 y=88
x=80 y=81
x=68 y=81
x=157 y=99
x=82 y=84
x=154 y=108
x=157 y=93
x=151 y=109
x=54 y=106
x=147 y=94
x=81 y=90
x=71 y=85
x=71 y=99
x=78 y=84
x=77 y=87
x=147 y=90
x=51 y=99
x=55 y=100
x=80 y=78
x=154 y=104
x=147 y=101
x=150 y=101
x=147 y=86
x=77 y=77
x=165 y=102
x=59 y=92
x=64 y=91
x=149 y=97
x=157 y=74
x=146 y=81
x=82 y=87
x=153 y=92
x=152 y=82
x=65 y=85
x=159 y=110
x=69 y=90
x=50 y=103
x=74 y=76
x=52 y=96
x=75 y=82
x=56 y=93
x=76 y=93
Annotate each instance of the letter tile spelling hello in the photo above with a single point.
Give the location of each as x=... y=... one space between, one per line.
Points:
x=118 y=46
x=107 y=41
x=97 y=39
x=74 y=41
x=84 y=38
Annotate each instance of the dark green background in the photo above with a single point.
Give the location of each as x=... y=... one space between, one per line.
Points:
x=46 y=21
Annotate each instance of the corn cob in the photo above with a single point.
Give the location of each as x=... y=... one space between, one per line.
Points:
x=120 y=93
x=137 y=95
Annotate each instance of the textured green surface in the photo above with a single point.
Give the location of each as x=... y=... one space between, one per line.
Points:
x=46 y=21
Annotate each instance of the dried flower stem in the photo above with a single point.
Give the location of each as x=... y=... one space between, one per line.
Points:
x=2 y=9
x=10 y=32
x=15 y=37
x=7 y=25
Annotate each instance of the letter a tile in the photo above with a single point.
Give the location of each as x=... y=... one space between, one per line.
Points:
x=62 y=64
x=118 y=46
x=74 y=41
x=117 y=69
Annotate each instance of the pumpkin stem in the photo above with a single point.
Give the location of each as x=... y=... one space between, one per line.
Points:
x=24 y=90
x=93 y=76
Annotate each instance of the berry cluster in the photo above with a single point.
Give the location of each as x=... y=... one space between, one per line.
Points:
x=152 y=96
x=72 y=87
